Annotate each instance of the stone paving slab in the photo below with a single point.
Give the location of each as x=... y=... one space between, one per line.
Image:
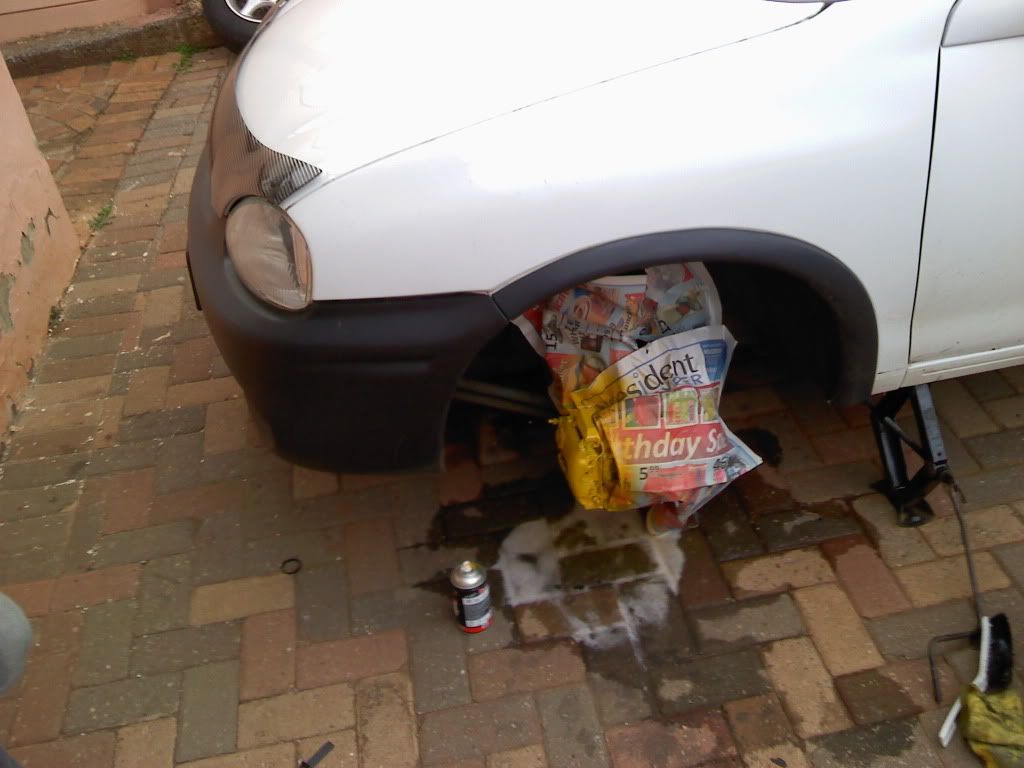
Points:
x=143 y=522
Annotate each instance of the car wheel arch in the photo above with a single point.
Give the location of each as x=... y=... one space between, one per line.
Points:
x=827 y=277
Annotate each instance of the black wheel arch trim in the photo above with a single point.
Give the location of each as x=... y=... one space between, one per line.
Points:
x=826 y=275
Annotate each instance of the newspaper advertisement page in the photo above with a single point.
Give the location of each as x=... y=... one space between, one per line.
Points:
x=638 y=363
x=583 y=330
x=656 y=412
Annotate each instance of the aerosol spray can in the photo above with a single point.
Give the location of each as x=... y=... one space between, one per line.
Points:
x=472 y=601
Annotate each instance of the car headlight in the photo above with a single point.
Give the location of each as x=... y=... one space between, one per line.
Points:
x=269 y=253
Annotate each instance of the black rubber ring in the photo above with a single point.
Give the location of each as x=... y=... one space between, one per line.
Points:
x=291 y=566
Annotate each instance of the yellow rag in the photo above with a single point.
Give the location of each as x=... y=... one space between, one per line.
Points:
x=993 y=724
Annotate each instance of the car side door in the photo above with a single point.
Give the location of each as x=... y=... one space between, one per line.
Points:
x=969 y=312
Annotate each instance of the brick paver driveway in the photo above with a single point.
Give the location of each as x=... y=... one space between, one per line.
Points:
x=143 y=524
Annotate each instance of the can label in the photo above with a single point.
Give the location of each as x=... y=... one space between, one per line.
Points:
x=473 y=608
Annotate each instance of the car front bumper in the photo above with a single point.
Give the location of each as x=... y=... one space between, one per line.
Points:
x=346 y=386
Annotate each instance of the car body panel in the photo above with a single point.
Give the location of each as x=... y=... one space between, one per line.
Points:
x=970 y=300
x=978 y=21
x=961 y=365
x=785 y=133
x=374 y=77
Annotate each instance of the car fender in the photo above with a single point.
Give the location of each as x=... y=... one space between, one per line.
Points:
x=829 y=278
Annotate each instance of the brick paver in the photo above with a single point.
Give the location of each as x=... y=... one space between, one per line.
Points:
x=870 y=585
x=149 y=744
x=806 y=688
x=209 y=719
x=837 y=631
x=143 y=522
x=342 y=660
x=296 y=715
x=693 y=740
x=243 y=597
x=758 y=722
x=777 y=573
x=500 y=673
x=386 y=722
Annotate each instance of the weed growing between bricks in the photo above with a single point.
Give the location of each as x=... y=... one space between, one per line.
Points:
x=185 y=62
x=102 y=217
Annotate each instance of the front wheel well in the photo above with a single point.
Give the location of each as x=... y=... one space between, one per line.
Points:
x=776 y=290
x=785 y=332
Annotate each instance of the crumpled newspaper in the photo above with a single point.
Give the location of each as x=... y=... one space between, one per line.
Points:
x=638 y=363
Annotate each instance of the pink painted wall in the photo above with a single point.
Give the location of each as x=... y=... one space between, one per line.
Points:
x=38 y=249
x=24 y=18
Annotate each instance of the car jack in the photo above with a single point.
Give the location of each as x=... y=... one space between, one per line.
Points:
x=907 y=494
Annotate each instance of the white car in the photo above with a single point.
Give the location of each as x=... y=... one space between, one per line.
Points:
x=389 y=182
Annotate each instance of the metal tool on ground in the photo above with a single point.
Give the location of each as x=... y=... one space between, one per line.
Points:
x=907 y=494
x=320 y=754
x=992 y=637
x=472 y=600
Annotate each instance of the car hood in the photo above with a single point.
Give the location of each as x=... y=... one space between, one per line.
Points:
x=342 y=83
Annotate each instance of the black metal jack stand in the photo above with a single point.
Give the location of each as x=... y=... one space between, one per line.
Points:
x=907 y=494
